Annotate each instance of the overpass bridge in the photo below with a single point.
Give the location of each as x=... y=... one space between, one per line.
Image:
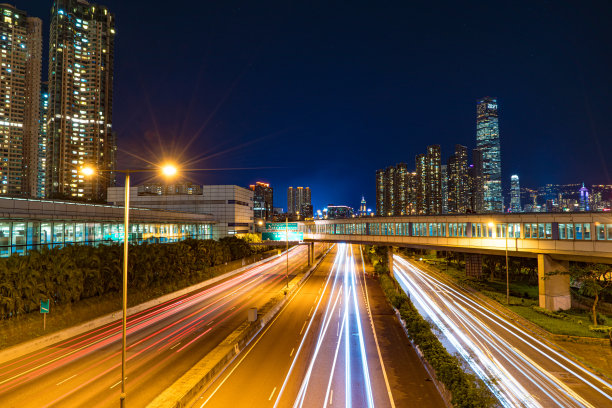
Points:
x=553 y=238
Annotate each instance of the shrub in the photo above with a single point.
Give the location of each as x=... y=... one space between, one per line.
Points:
x=600 y=329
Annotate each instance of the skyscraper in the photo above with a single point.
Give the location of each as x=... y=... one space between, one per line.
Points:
x=389 y=190
x=476 y=181
x=42 y=140
x=363 y=210
x=299 y=201
x=401 y=189
x=515 y=194
x=81 y=53
x=434 y=180
x=421 y=183
x=487 y=139
x=444 y=187
x=380 y=192
x=458 y=185
x=21 y=46
x=263 y=200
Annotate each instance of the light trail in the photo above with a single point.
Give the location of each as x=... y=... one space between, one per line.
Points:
x=478 y=334
x=341 y=310
x=39 y=364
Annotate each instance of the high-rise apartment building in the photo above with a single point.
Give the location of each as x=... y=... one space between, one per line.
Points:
x=421 y=183
x=458 y=182
x=487 y=139
x=433 y=190
x=20 y=70
x=390 y=190
x=263 y=200
x=42 y=140
x=395 y=191
x=444 y=187
x=79 y=132
x=476 y=182
x=299 y=202
x=380 y=192
x=515 y=194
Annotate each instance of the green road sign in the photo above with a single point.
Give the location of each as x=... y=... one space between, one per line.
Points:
x=281 y=226
x=44 y=306
x=282 y=236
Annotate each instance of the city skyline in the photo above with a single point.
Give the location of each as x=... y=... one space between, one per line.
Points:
x=565 y=130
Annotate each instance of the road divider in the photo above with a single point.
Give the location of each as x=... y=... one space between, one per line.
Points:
x=186 y=388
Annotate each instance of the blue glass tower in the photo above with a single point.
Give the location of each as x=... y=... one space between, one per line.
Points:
x=487 y=140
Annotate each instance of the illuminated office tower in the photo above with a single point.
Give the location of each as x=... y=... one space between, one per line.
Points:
x=21 y=52
x=401 y=189
x=487 y=139
x=79 y=132
x=476 y=183
x=515 y=194
x=42 y=140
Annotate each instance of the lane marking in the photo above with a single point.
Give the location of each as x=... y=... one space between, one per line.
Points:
x=331 y=397
x=303 y=326
x=61 y=382
x=172 y=348
x=211 y=322
x=309 y=313
x=273 y=391
x=251 y=347
x=118 y=382
x=292 y=350
x=382 y=364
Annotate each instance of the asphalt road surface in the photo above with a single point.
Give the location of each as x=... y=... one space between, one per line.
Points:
x=163 y=343
x=522 y=368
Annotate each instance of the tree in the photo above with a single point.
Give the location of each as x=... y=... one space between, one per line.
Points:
x=595 y=281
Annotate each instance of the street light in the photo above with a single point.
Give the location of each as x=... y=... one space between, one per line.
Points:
x=168 y=170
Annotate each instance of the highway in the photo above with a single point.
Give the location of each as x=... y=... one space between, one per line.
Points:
x=319 y=351
x=520 y=367
x=163 y=343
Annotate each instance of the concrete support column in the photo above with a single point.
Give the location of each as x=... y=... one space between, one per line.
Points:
x=312 y=253
x=473 y=265
x=390 y=260
x=554 y=290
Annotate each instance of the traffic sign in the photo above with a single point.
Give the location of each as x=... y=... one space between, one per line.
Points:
x=44 y=306
x=281 y=226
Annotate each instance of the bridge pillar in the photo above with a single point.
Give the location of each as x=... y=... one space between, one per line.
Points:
x=390 y=260
x=473 y=265
x=554 y=290
x=309 y=253
x=312 y=253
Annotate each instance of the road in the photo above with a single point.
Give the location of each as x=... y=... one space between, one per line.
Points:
x=521 y=367
x=319 y=351
x=163 y=343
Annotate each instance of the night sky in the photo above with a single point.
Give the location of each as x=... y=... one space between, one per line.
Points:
x=323 y=94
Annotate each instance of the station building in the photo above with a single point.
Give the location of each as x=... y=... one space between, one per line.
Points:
x=27 y=224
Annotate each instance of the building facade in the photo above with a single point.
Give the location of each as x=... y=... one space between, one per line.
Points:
x=230 y=206
x=263 y=200
x=32 y=224
x=299 y=202
x=458 y=183
x=42 y=141
x=487 y=140
x=515 y=194
x=79 y=132
x=380 y=192
x=21 y=63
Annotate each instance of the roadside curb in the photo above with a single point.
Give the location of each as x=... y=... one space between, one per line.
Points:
x=30 y=346
x=186 y=388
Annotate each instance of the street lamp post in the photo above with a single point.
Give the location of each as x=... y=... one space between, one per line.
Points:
x=287 y=252
x=507 y=271
x=169 y=171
